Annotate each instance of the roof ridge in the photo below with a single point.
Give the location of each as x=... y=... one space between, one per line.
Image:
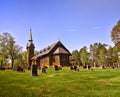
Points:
x=50 y=45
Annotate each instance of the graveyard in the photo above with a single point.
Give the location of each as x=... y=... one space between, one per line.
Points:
x=61 y=83
x=60 y=48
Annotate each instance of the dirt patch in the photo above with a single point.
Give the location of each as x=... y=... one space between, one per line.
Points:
x=103 y=81
x=74 y=90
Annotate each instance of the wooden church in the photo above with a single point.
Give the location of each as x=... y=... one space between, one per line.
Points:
x=55 y=54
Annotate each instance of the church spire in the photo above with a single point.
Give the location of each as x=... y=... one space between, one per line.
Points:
x=30 y=37
x=30 y=49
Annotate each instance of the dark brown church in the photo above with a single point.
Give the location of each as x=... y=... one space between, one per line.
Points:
x=52 y=55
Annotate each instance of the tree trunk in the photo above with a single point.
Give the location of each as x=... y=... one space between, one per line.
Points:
x=12 y=63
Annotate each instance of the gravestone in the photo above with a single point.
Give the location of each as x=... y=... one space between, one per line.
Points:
x=34 y=70
x=56 y=67
x=43 y=69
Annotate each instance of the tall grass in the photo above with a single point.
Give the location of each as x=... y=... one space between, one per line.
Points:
x=63 y=83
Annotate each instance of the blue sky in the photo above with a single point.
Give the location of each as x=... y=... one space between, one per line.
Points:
x=76 y=23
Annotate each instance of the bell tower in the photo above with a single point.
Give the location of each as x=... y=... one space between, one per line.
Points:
x=30 y=49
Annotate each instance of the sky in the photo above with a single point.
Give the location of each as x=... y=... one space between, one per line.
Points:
x=76 y=23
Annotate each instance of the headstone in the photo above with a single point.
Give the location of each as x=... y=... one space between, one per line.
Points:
x=56 y=67
x=20 y=69
x=34 y=70
x=43 y=69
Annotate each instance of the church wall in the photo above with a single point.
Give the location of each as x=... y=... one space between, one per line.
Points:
x=44 y=61
x=64 y=60
x=56 y=60
x=52 y=60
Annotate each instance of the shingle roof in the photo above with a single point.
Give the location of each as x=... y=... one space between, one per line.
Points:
x=48 y=49
x=60 y=50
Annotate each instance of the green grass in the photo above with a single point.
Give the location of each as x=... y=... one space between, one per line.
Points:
x=63 y=83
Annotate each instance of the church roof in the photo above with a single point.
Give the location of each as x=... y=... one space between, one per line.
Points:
x=55 y=48
x=30 y=40
x=60 y=50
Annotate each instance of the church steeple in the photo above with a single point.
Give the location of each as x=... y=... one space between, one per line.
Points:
x=30 y=49
x=30 y=37
x=30 y=40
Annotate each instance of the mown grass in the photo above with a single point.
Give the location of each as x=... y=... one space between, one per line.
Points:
x=63 y=83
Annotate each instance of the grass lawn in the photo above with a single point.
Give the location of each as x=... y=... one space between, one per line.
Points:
x=63 y=83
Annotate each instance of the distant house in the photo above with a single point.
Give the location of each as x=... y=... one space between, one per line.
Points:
x=52 y=55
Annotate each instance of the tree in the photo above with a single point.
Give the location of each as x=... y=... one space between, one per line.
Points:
x=115 y=54
x=21 y=59
x=110 y=56
x=102 y=54
x=8 y=48
x=93 y=53
x=102 y=57
x=84 y=55
x=75 y=57
x=115 y=33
